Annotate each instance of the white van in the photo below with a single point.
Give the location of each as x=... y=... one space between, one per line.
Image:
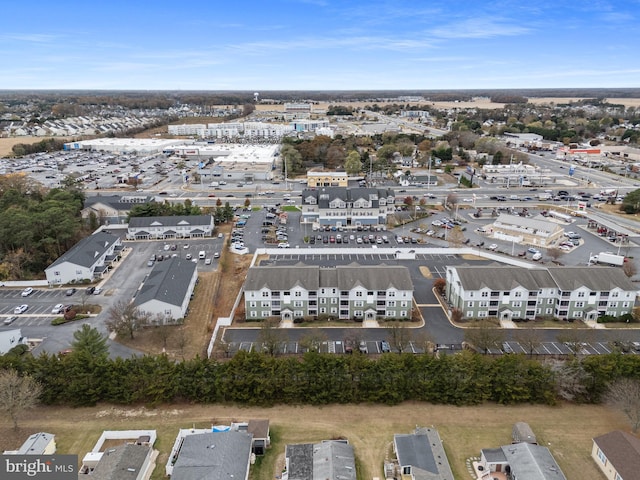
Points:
x=201 y=254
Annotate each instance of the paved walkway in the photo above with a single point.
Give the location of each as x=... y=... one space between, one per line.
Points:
x=507 y=324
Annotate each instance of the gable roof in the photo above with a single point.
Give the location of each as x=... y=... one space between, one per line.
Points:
x=325 y=195
x=36 y=444
x=532 y=462
x=88 y=250
x=594 y=278
x=168 y=282
x=170 y=221
x=503 y=278
x=123 y=462
x=213 y=456
x=622 y=451
x=328 y=460
x=343 y=277
x=122 y=203
x=424 y=453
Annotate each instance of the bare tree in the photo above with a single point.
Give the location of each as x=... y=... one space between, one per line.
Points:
x=529 y=339
x=125 y=318
x=452 y=199
x=554 y=253
x=624 y=395
x=629 y=268
x=17 y=394
x=485 y=336
x=313 y=340
x=455 y=237
x=575 y=339
x=399 y=336
x=271 y=337
x=425 y=341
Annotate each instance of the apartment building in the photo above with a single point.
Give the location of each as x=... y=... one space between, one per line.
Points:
x=560 y=292
x=348 y=207
x=364 y=292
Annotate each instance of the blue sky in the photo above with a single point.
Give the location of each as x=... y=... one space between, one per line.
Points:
x=319 y=44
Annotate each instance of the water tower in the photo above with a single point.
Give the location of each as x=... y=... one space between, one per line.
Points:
x=255 y=97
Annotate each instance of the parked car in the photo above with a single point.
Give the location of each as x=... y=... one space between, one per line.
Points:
x=10 y=320
x=492 y=247
x=70 y=291
x=27 y=291
x=188 y=256
x=362 y=348
x=533 y=250
x=90 y=290
x=57 y=308
x=21 y=308
x=283 y=245
x=385 y=347
x=216 y=255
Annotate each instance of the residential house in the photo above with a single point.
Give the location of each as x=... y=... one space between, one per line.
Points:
x=259 y=430
x=524 y=230
x=167 y=290
x=40 y=443
x=345 y=291
x=617 y=454
x=560 y=292
x=121 y=455
x=88 y=260
x=319 y=179
x=519 y=461
x=327 y=460
x=348 y=207
x=421 y=456
x=210 y=456
x=179 y=226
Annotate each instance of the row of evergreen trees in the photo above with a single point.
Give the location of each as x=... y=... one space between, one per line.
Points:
x=83 y=379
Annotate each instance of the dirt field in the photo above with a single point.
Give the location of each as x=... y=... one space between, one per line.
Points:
x=7 y=143
x=566 y=430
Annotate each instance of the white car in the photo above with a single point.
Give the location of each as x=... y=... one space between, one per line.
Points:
x=167 y=247
x=27 y=291
x=283 y=245
x=21 y=308
x=437 y=223
x=57 y=308
x=493 y=246
x=468 y=200
x=566 y=248
x=207 y=261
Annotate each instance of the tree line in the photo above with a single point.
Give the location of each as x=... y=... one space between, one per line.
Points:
x=254 y=378
x=36 y=225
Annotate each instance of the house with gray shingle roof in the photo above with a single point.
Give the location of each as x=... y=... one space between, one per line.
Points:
x=560 y=292
x=213 y=456
x=421 y=456
x=40 y=443
x=522 y=461
x=111 y=209
x=168 y=289
x=327 y=460
x=178 y=226
x=89 y=259
x=345 y=291
x=617 y=454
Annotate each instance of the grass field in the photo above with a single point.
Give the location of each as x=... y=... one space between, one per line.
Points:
x=566 y=430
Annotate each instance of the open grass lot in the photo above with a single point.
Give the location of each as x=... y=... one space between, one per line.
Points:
x=566 y=429
x=6 y=144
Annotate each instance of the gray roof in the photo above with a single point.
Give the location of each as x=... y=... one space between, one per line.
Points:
x=504 y=278
x=622 y=451
x=213 y=456
x=532 y=462
x=494 y=455
x=170 y=221
x=118 y=202
x=123 y=462
x=300 y=461
x=88 y=250
x=594 y=278
x=343 y=277
x=259 y=428
x=325 y=195
x=168 y=282
x=328 y=460
x=526 y=222
x=36 y=444
x=424 y=453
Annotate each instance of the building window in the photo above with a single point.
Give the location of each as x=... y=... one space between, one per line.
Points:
x=602 y=457
x=358 y=313
x=253 y=304
x=550 y=301
x=323 y=300
x=265 y=294
x=391 y=303
x=392 y=294
x=469 y=314
x=334 y=300
x=265 y=313
x=253 y=313
x=470 y=304
x=323 y=310
x=614 y=294
x=358 y=294
x=334 y=310
x=297 y=293
x=297 y=303
x=484 y=304
x=518 y=294
x=484 y=294
x=358 y=303
x=404 y=303
x=516 y=304
x=579 y=304
x=548 y=311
